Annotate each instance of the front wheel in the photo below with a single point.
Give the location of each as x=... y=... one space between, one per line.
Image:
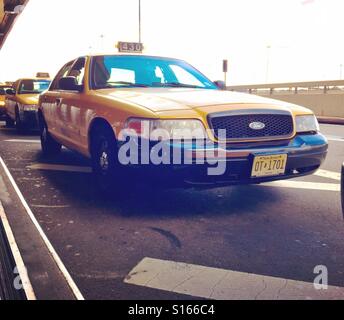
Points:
x=9 y=122
x=104 y=159
x=19 y=124
x=49 y=145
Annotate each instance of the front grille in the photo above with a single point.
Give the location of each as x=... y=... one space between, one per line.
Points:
x=237 y=126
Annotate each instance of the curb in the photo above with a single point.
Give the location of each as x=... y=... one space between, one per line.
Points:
x=12 y=269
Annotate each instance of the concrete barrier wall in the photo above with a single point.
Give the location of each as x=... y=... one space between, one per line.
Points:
x=324 y=98
x=326 y=105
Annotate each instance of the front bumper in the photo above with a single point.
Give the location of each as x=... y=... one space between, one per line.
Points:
x=305 y=155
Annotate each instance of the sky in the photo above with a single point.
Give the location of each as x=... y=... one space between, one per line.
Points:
x=263 y=40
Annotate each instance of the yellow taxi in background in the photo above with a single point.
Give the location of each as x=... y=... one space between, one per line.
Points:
x=131 y=111
x=22 y=102
x=3 y=88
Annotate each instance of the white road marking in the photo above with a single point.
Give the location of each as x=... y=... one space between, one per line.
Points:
x=25 y=281
x=303 y=185
x=335 y=138
x=328 y=174
x=23 y=141
x=221 y=284
x=57 y=167
x=51 y=249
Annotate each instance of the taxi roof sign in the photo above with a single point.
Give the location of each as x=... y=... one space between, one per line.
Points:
x=43 y=75
x=130 y=47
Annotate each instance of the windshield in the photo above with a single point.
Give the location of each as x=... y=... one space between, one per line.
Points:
x=143 y=71
x=33 y=86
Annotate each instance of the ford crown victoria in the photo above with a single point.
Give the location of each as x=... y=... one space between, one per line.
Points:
x=22 y=102
x=136 y=111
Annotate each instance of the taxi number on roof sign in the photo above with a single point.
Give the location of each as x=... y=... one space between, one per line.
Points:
x=271 y=165
x=134 y=47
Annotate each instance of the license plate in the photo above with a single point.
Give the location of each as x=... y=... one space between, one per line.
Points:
x=271 y=165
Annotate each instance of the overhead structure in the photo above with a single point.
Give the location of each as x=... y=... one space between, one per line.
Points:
x=9 y=11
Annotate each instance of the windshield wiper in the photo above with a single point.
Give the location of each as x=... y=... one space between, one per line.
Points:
x=125 y=83
x=30 y=92
x=180 y=85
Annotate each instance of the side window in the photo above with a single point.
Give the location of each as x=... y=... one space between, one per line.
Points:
x=78 y=70
x=62 y=73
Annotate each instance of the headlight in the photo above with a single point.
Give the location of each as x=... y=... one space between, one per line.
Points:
x=29 y=107
x=155 y=130
x=307 y=123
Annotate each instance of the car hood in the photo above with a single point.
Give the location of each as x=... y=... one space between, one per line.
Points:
x=166 y=99
x=28 y=98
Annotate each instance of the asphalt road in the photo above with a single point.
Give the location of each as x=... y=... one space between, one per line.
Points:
x=267 y=230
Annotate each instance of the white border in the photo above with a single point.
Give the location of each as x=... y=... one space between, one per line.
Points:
x=51 y=249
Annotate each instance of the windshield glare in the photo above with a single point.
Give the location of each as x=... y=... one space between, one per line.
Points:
x=33 y=86
x=141 y=71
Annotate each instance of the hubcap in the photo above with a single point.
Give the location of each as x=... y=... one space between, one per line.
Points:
x=44 y=134
x=104 y=161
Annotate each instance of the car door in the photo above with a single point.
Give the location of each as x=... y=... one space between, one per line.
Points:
x=10 y=101
x=71 y=107
x=51 y=102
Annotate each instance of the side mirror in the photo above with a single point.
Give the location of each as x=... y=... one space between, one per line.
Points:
x=220 y=84
x=10 y=92
x=70 y=84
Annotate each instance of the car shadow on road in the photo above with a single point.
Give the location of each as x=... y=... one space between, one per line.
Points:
x=135 y=198
x=14 y=133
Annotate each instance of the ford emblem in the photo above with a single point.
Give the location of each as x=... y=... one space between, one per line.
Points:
x=257 y=125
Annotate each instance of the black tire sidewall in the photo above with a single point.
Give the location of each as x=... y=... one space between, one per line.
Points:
x=108 y=179
x=49 y=145
x=9 y=122
x=18 y=122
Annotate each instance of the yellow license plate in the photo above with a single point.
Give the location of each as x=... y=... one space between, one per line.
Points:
x=266 y=166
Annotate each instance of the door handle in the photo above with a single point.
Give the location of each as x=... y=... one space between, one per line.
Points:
x=58 y=101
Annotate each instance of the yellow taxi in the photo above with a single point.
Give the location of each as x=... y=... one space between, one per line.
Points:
x=22 y=102
x=3 y=88
x=165 y=118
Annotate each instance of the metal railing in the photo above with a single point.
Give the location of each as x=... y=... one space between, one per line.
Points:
x=321 y=87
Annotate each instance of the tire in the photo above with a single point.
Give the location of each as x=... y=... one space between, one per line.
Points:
x=18 y=123
x=105 y=164
x=9 y=122
x=50 y=147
